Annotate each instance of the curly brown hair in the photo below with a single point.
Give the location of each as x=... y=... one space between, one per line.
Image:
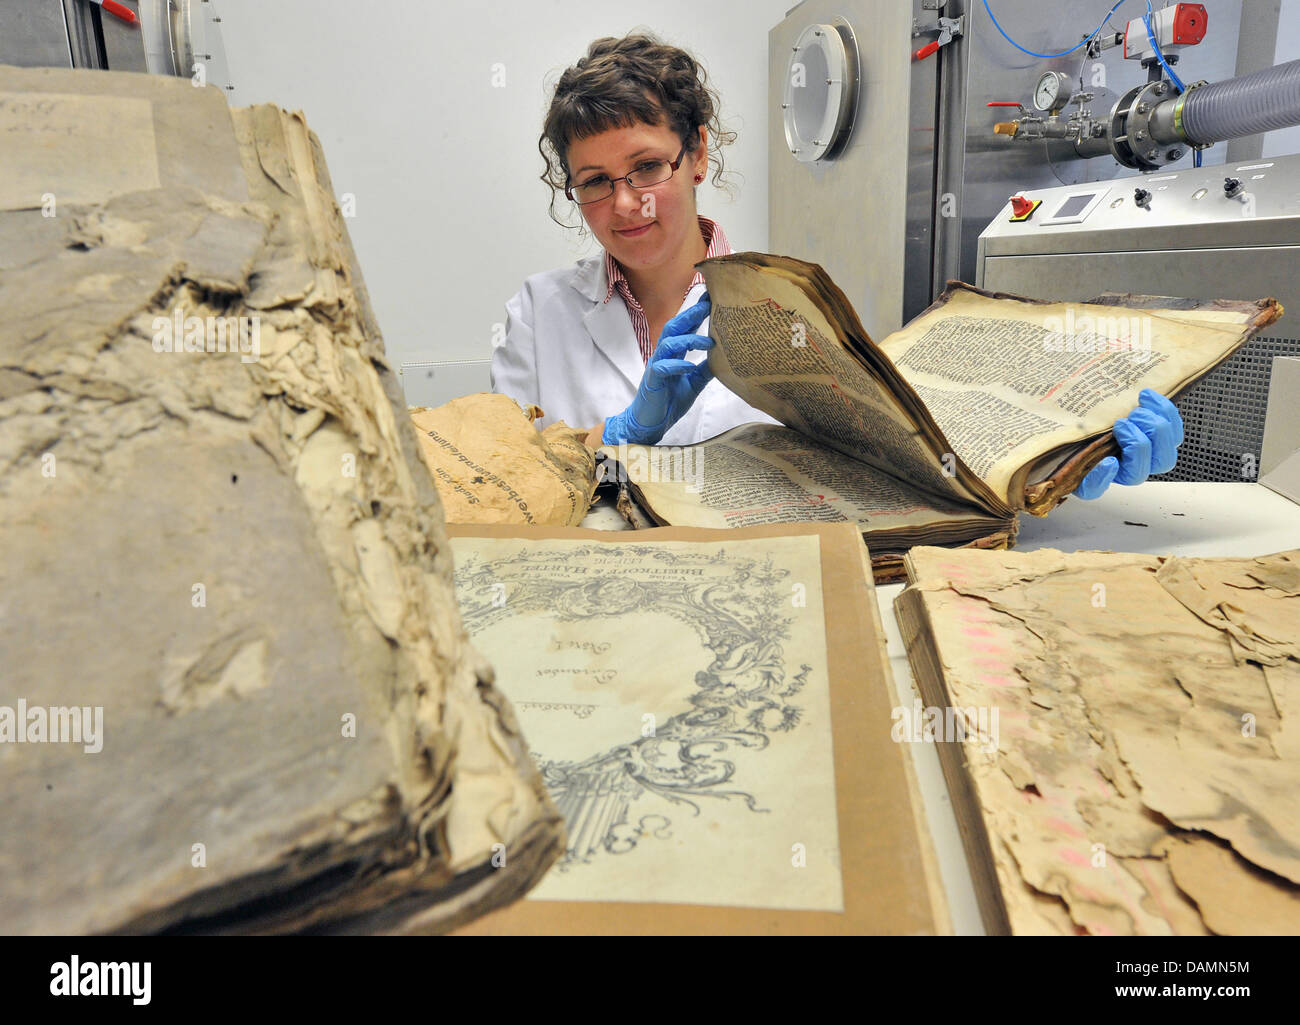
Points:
x=621 y=83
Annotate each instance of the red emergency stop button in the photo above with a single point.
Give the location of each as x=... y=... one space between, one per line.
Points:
x=1022 y=208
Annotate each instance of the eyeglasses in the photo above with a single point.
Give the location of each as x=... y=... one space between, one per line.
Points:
x=644 y=175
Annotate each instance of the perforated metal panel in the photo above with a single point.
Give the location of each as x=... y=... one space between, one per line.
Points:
x=1223 y=415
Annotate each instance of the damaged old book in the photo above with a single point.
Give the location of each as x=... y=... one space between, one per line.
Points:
x=491 y=465
x=983 y=406
x=238 y=695
x=710 y=712
x=1121 y=735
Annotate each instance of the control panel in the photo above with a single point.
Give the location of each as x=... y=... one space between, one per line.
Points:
x=1261 y=189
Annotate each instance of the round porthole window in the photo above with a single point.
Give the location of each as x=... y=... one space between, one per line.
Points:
x=821 y=91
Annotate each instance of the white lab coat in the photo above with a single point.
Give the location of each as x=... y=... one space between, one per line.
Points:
x=577 y=357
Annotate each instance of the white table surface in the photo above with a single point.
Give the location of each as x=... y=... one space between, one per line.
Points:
x=1176 y=518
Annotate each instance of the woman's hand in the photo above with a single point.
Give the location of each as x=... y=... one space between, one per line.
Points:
x=1148 y=441
x=669 y=385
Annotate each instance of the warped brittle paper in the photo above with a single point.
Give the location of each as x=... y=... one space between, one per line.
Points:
x=219 y=534
x=985 y=399
x=985 y=404
x=491 y=465
x=1145 y=775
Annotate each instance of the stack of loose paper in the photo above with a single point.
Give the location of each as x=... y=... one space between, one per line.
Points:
x=1124 y=754
x=236 y=692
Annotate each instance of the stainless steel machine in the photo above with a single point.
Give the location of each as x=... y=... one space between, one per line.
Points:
x=891 y=153
x=161 y=37
x=886 y=161
x=1231 y=231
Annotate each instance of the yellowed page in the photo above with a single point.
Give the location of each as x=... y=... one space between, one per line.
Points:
x=659 y=690
x=763 y=473
x=777 y=351
x=1008 y=381
x=491 y=465
x=52 y=132
x=751 y=680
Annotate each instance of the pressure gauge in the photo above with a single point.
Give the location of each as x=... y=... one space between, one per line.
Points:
x=1052 y=92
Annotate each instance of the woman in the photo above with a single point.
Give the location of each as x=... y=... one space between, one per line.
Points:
x=626 y=139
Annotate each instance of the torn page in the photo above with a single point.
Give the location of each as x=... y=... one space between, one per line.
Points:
x=1127 y=717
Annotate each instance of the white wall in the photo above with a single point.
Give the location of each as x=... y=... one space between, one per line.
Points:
x=1285 y=140
x=451 y=216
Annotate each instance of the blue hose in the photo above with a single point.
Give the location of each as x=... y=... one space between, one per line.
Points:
x=1084 y=42
x=1146 y=20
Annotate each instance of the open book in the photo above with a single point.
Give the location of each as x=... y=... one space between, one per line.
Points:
x=710 y=712
x=985 y=405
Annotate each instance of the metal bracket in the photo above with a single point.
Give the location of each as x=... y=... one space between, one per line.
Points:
x=949 y=28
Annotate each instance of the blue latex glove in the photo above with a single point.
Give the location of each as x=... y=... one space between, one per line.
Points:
x=1148 y=440
x=669 y=385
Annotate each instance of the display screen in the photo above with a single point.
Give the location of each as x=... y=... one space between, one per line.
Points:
x=1074 y=204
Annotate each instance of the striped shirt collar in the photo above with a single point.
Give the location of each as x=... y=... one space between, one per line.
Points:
x=714 y=238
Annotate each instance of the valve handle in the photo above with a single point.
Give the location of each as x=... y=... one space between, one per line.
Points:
x=125 y=13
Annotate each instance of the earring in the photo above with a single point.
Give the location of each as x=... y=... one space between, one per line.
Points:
x=699 y=178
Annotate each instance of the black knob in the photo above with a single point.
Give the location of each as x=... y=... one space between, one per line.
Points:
x=1141 y=197
x=1231 y=186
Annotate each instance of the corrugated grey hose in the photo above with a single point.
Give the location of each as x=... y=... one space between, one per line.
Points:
x=1258 y=102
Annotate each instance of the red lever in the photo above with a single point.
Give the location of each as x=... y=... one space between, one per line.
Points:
x=117 y=10
x=125 y=13
x=926 y=50
x=1021 y=206
x=1003 y=103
